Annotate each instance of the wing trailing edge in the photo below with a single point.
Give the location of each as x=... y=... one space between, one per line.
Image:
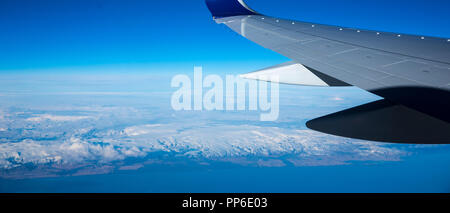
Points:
x=295 y=74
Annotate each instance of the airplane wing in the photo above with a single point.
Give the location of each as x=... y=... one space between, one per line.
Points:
x=411 y=73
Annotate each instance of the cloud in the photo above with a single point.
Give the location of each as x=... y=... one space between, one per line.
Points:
x=70 y=152
x=56 y=118
x=99 y=132
x=218 y=143
x=140 y=130
x=37 y=143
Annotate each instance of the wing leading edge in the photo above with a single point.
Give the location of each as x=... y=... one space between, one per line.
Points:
x=411 y=72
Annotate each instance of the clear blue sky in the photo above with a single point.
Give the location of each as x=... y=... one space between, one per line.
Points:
x=53 y=34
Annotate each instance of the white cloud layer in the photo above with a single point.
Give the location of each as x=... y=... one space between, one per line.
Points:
x=56 y=118
x=92 y=133
x=224 y=143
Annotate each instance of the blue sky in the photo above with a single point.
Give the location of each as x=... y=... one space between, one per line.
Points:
x=56 y=35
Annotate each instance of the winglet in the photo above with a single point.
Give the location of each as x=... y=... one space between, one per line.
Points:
x=227 y=8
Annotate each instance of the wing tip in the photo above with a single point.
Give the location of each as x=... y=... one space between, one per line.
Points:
x=227 y=8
